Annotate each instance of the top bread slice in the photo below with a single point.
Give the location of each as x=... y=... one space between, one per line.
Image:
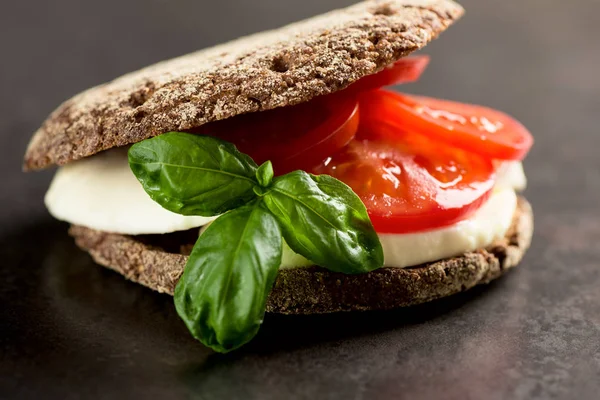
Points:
x=271 y=69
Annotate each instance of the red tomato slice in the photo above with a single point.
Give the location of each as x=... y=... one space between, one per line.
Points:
x=291 y=137
x=409 y=184
x=405 y=70
x=481 y=130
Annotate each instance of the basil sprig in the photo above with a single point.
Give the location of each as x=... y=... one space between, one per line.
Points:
x=222 y=293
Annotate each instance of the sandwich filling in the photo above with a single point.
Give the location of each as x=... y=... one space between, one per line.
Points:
x=438 y=178
x=101 y=192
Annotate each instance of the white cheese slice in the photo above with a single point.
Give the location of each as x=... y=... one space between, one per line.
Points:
x=489 y=223
x=510 y=174
x=101 y=192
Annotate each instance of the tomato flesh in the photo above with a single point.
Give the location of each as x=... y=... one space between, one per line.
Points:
x=291 y=137
x=405 y=70
x=477 y=129
x=406 y=189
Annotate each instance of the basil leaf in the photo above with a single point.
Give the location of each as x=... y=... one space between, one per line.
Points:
x=192 y=174
x=222 y=294
x=323 y=220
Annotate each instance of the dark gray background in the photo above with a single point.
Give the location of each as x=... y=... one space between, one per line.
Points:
x=73 y=330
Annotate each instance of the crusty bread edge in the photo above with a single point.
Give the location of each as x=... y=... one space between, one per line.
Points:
x=316 y=290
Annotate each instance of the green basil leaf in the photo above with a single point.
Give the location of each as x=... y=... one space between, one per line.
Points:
x=193 y=174
x=222 y=294
x=323 y=220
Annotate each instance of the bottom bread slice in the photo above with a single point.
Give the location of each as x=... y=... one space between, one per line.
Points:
x=314 y=289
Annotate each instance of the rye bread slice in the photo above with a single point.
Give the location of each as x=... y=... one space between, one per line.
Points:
x=316 y=290
x=271 y=69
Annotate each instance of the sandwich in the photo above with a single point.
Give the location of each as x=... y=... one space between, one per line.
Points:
x=277 y=173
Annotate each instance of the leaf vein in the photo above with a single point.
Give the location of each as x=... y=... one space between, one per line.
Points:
x=217 y=171
x=307 y=206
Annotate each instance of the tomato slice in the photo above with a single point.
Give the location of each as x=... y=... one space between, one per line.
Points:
x=291 y=137
x=405 y=70
x=409 y=184
x=478 y=129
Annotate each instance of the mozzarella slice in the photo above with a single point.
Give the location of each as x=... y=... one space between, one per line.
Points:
x=510 y=174
x=101 y=192
x=489 y=223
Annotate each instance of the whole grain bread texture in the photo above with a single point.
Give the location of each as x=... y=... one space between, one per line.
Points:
x=316 y=290
x=271 y=69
